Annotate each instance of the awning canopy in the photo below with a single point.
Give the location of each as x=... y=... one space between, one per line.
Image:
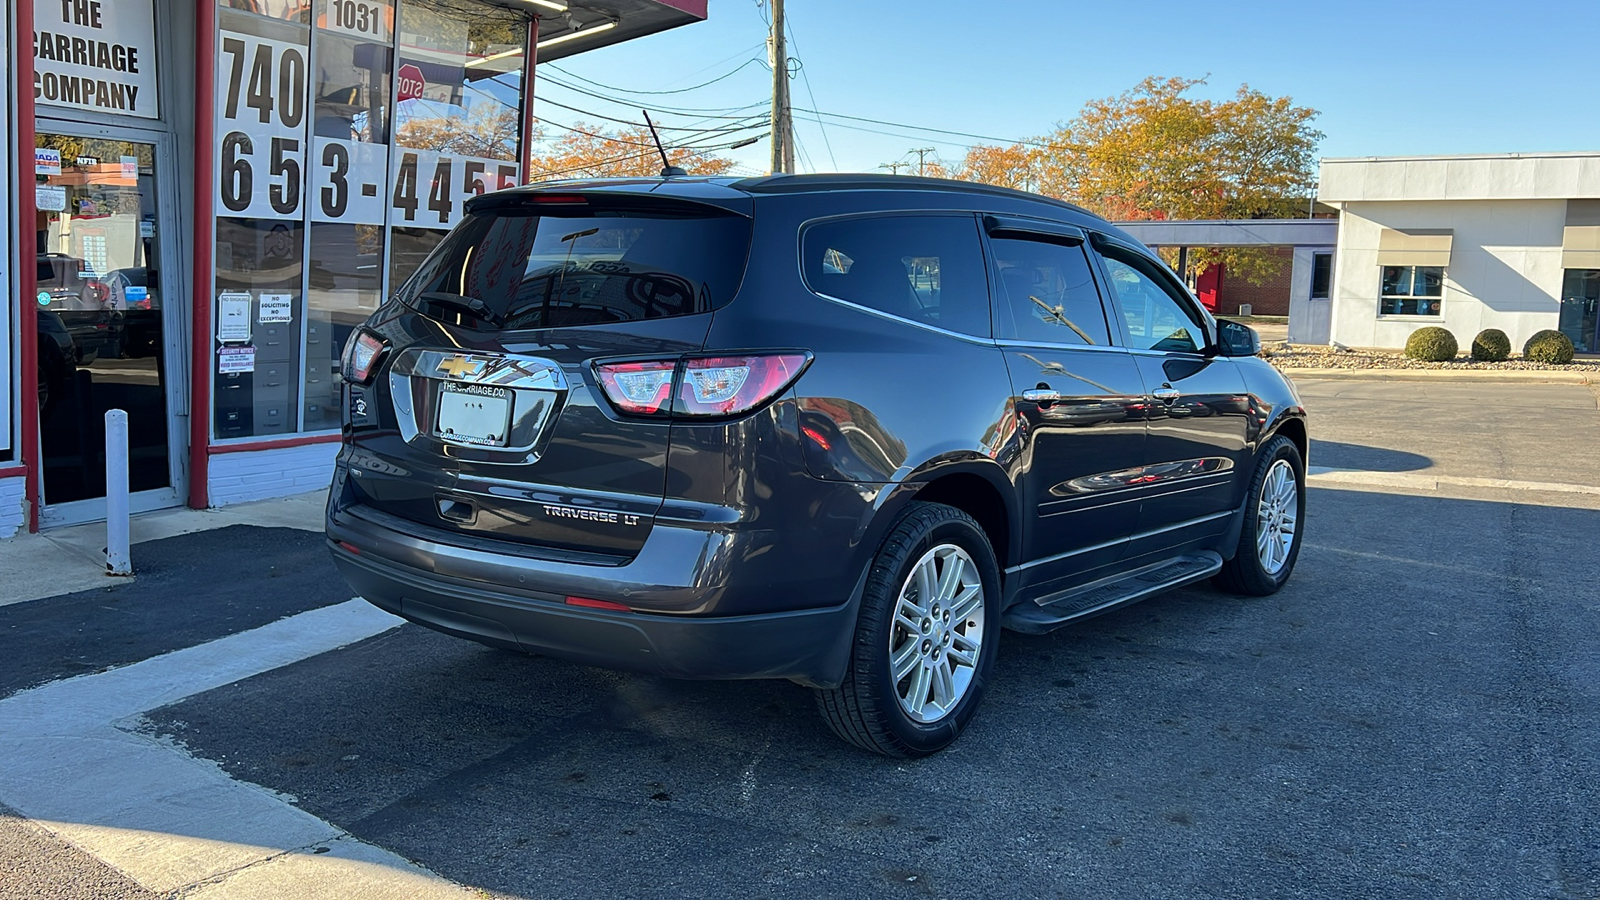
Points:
x=1414 y=248
x=1580 y=240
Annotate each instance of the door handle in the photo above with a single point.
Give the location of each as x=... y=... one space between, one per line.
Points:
x=1167 y=395
x=1041 y=395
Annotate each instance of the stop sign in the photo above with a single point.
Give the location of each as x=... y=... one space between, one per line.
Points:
x=411 y=82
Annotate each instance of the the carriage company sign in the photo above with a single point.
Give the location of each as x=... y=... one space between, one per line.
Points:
x=97 y=55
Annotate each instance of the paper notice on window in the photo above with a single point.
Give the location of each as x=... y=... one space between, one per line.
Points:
x=50 y=198
x=276 y=308
x=233 y=316
x=236 y=360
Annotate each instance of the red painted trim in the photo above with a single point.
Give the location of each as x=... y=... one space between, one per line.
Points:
x=696 y=8
x=530 y=61
x=27 y=274
x=12 y=471
x=276 y=445
x=205 y=86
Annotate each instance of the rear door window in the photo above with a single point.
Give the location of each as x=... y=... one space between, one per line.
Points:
x=926 y=269
x=1047 y=294
x=518 y=269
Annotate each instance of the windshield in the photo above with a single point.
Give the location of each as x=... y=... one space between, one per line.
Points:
x=518 y=269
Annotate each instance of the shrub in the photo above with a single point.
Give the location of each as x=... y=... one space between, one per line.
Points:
x=1432 y=344
x=1491 y=345
x=1549 y=346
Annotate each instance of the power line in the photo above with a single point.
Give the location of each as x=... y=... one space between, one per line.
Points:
x=622 y=90
x=981 y=137
x=675 y=110
x=725 y=128
x=807 y=78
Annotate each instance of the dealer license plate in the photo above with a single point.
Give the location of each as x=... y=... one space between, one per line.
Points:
x=474 y=414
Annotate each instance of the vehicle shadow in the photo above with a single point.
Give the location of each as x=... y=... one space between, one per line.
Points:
x=1339 y=455
x=1332 y=737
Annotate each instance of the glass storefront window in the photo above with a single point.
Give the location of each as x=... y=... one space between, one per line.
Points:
x=259 y=265
x=1580 y=309
x=355 y=130
x=346 y=278
x=468 y=57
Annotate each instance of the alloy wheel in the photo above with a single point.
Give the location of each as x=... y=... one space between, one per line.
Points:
x=937 y=636
x=1277 y=517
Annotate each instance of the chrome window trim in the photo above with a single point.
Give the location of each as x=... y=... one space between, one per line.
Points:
x=1099 y=348
x=982 y=342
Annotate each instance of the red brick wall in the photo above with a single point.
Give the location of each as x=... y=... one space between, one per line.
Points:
x=1269 y=299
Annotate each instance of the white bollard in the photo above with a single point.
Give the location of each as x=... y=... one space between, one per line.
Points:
x=117 y=560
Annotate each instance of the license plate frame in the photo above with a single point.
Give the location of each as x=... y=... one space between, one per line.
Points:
x=473 y=415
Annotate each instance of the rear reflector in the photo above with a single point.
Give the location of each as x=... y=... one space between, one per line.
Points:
x=638 y=388
x=596 y=604
x=346 y=545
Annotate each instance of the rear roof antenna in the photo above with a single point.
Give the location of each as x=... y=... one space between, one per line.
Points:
x=667 y=168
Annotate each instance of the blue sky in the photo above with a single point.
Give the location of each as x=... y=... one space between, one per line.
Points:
x=1390 y=78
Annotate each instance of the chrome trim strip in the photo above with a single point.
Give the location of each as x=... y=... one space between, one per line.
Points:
x=1140 y=476
x=1053 y=505
x=982 y=342
x=1129 y=539
x=495 y=369
x=1045 y=345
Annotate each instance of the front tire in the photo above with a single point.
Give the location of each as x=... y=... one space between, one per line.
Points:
x=1274 y=520
x=925 y=638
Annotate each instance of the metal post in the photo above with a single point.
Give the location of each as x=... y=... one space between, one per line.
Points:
x=117 y=561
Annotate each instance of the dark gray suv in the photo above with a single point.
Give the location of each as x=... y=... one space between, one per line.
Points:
x=836 y=429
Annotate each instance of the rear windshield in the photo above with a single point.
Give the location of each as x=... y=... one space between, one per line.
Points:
x=542 y=269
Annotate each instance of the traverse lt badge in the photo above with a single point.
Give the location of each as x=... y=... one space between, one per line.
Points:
x=458 y=365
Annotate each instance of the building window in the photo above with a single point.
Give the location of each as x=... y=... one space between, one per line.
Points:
x=1321 y=275
x=1580 y=309
x=1412 y=291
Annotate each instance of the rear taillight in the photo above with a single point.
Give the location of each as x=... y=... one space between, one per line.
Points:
x=361 y=354
x=638 y=388
x=703 y=386
x=729 y=385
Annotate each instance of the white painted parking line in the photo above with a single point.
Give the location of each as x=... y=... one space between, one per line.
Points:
x=170 y=821
x=1426 y=482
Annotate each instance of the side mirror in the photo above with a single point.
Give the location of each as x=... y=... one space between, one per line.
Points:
x=1234 y=339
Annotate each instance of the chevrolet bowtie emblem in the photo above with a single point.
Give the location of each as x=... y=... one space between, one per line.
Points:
x=458 y=365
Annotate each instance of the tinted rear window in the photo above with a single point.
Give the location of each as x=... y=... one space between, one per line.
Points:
x=925 y=268
x=538 y=269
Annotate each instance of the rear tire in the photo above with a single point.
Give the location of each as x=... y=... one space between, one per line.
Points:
x=1274 y=522
x=925 y=638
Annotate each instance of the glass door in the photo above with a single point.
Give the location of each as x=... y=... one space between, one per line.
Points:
x=103 y=333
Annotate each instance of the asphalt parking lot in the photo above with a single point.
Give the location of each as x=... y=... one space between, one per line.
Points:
x=1416 y=714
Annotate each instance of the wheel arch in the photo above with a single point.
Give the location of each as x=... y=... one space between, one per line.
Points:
x=1293 y=426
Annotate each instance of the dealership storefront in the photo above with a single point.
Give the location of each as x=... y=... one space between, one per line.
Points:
x=209 y=226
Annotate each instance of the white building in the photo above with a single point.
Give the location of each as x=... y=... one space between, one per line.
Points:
x=1508 y=241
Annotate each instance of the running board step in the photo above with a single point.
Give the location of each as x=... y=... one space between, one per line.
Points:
x=1051 y=612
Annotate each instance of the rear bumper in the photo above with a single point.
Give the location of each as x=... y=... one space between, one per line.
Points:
x=399 y=572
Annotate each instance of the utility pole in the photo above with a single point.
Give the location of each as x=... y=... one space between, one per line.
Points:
x=894 y=167
x=922 y=154
x=782 y=122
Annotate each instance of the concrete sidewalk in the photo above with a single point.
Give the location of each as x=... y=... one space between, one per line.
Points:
x=66 y=560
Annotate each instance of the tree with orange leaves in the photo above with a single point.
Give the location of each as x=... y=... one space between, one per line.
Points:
x=592 y=152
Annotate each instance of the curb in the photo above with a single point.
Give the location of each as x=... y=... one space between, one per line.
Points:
x=1534 y=376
